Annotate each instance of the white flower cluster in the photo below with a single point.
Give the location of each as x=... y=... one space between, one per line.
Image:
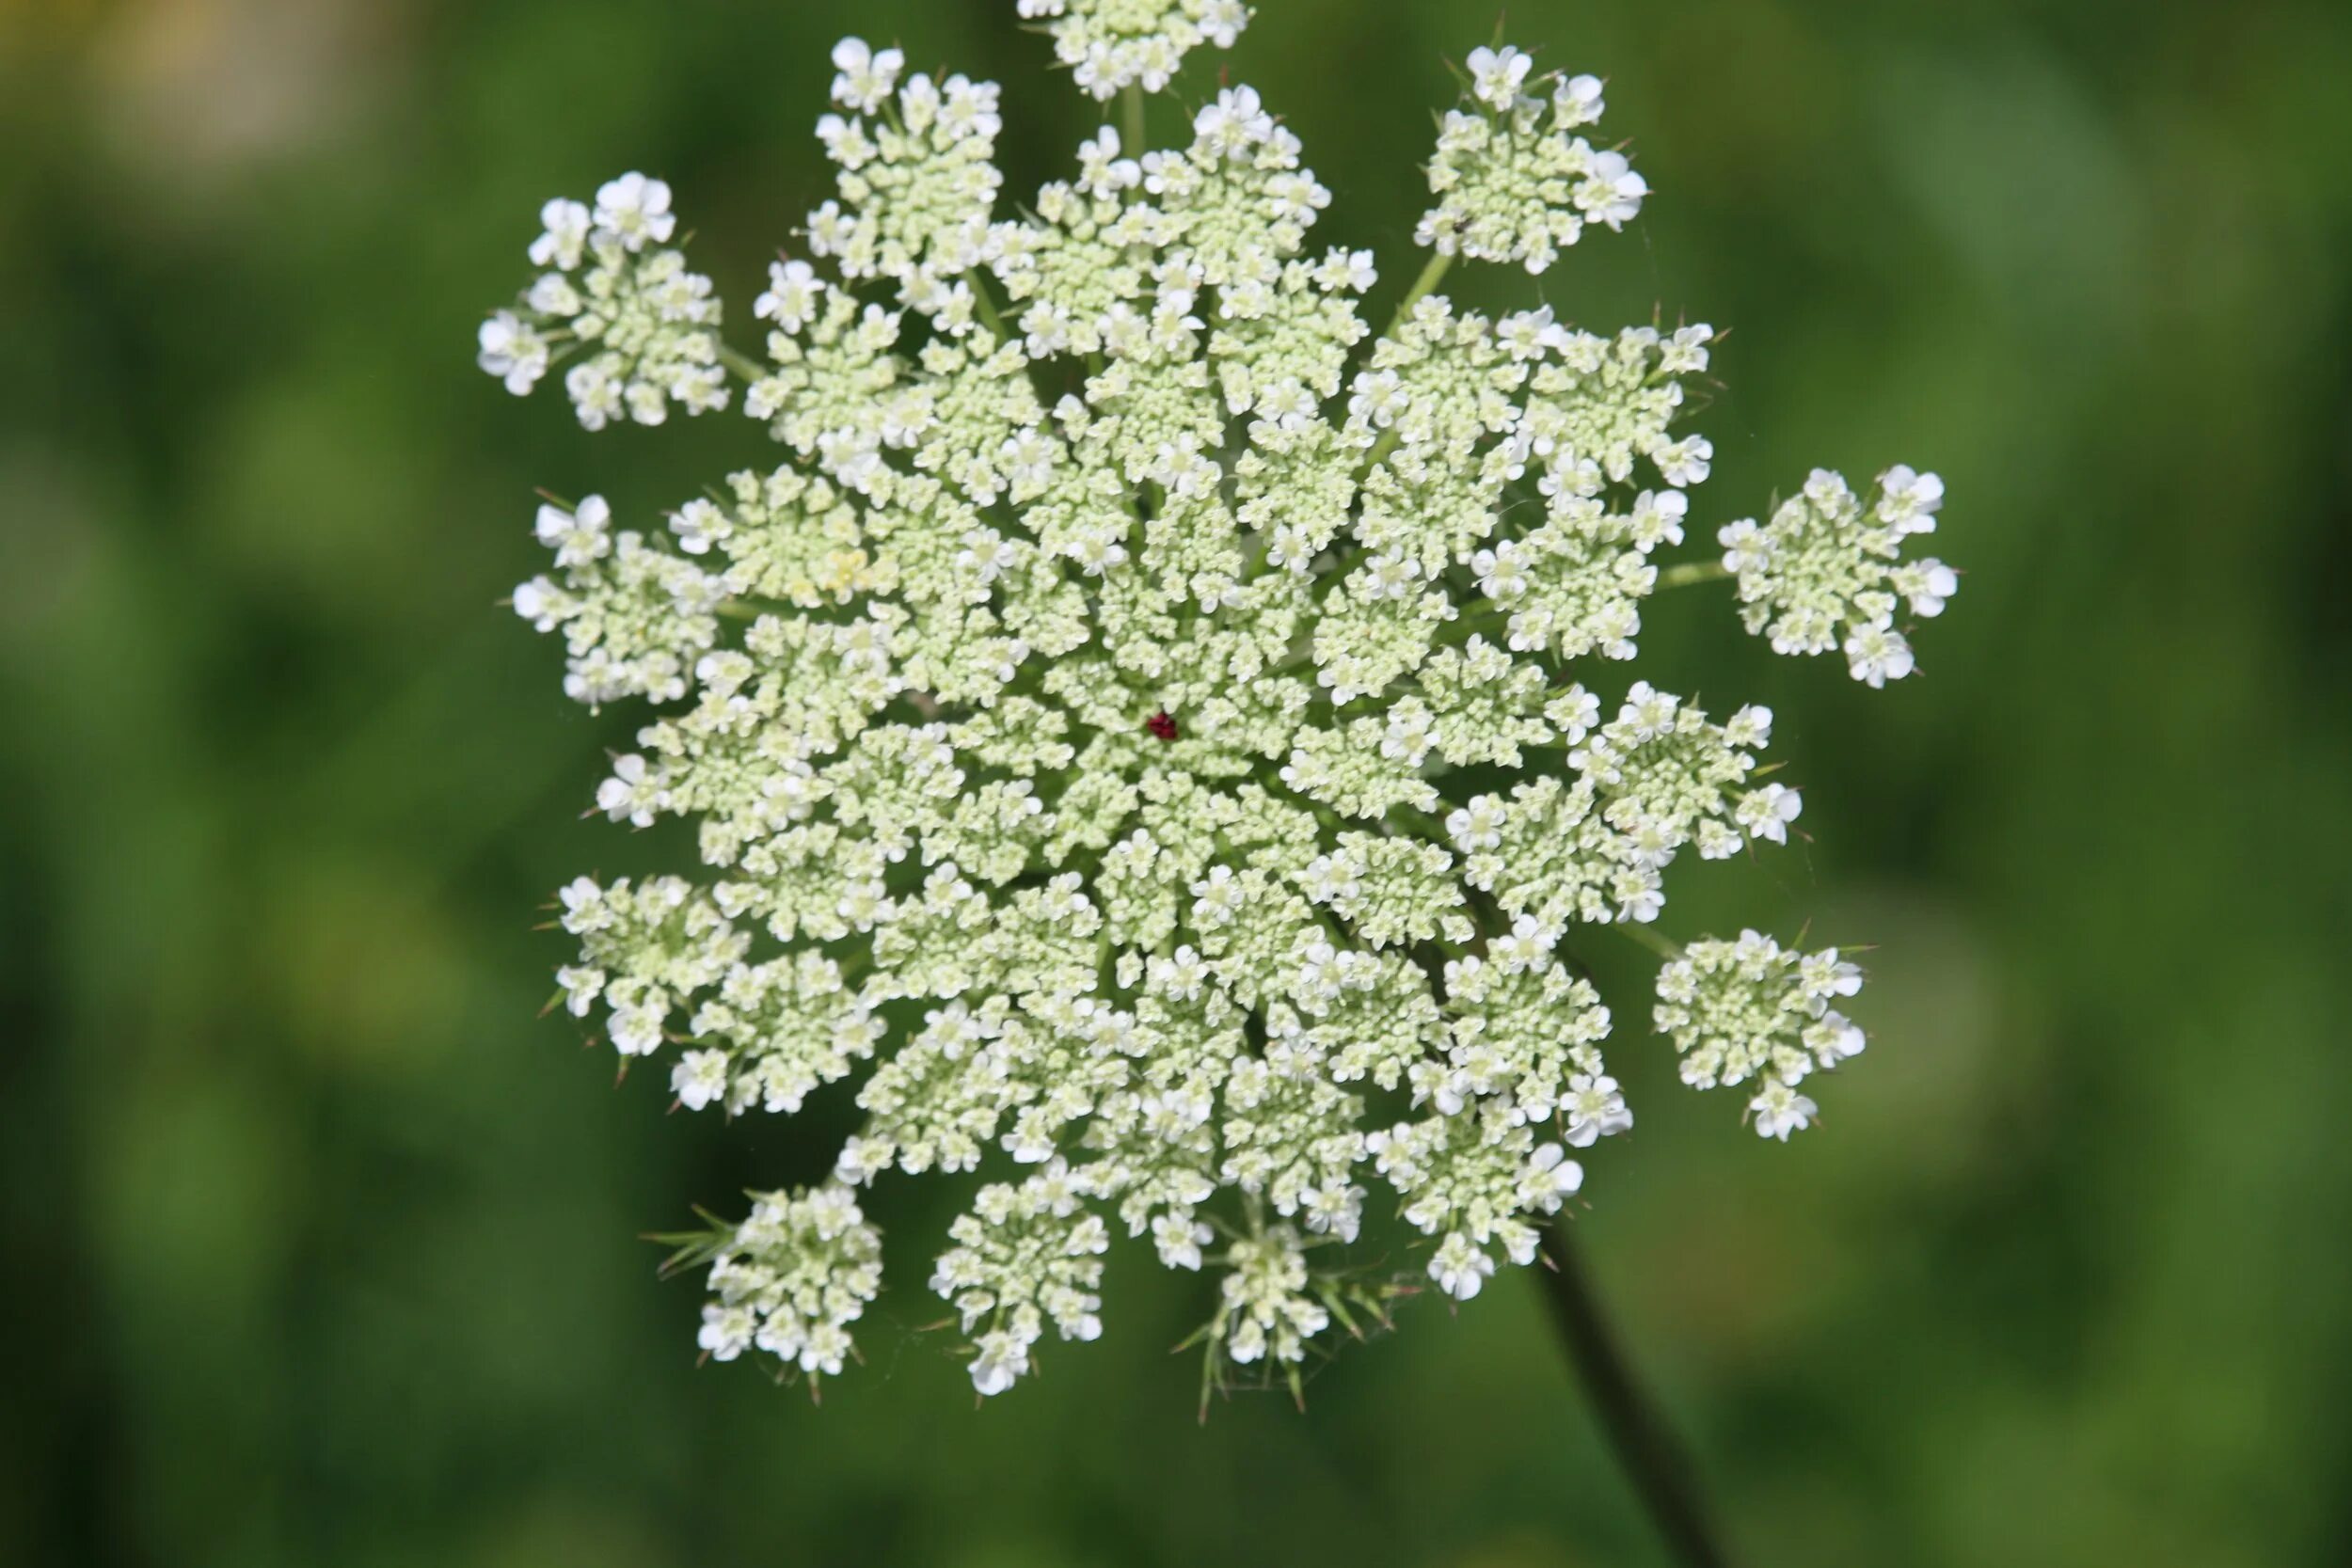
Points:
x=1752 y=1008
x=635 y=617
x=792 y=1278
x=1138 y=737
x=1589 y=845
x=1514 y=179
x=1113 y=45
x=1023 y=1255
x=642 y=328
x=1827 y=571
x=916 y=187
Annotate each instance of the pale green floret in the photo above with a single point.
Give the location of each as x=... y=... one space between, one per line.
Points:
x=1828 y=567
x=786 y=535
x=641 y=329
x=1545 y=853
x=1431 y=513
x=1441 y=385
x=1521 y=1033
x=1195 y=549
x=1280 y=349
x=774 y=1032
x=1268 y=1312
x=938 y=1101
x=1350 y=771
x=836 y=391
x=917 y=188
x=1377 y=625
x=1477 y=705
x=1568 y=588
x=644 y=949
x=1142 y=740
x=1025 y=1256
x=1371 y=1014
x=1514 y=183
x=983 y=426
x=1235 y=205
x=1607 y=402
x=1752 y=1008
x=1066 y=274
x=1473 y=1180
x=1666 y=777
x=1249 y=925
x=792 y=1278
x=1020 y=735
x=1388 y=890
x=635 y=619
x=1290 y=1135
x=1157 y=427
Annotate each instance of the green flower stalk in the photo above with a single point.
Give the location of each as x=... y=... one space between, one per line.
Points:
x=1153 y=738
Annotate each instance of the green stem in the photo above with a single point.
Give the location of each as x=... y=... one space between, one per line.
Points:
x=1421 y=822
x=1656 y=941
x=1646 y=1447
x=1131 y=121
x=741 y=365
x=984 y=307
x=1693 y=572
x=1431 y=275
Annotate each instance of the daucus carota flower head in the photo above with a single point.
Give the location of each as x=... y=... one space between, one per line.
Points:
x=1152 y=740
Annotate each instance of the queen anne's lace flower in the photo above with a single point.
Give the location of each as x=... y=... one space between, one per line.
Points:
x=1142 y=737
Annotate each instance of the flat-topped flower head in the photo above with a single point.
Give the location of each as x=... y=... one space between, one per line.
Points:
x=1156 y=745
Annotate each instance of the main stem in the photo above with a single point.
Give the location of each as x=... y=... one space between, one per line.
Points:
x=1645 y=1448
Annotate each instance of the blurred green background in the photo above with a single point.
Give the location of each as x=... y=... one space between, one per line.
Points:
x=318 y=1246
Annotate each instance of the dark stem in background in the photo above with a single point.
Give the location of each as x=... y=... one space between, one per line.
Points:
x=1653 y=1461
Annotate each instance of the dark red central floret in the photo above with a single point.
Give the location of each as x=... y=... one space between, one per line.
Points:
x=1160 y=725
